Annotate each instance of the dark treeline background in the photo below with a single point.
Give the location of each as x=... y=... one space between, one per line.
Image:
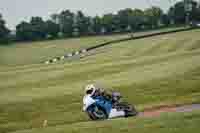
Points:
x=69 y=24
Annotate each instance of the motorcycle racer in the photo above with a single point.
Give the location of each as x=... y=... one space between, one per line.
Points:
x=92 y=92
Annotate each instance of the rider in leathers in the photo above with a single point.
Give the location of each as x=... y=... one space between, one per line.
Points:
x=91 y=91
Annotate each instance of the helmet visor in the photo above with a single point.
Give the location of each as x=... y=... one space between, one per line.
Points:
x=89 y=91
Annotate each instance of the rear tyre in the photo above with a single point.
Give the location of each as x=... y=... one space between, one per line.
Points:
x=128 y=109
x=131 y=111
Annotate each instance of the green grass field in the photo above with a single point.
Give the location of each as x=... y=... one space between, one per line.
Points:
x=37 y=52
x=162 y=70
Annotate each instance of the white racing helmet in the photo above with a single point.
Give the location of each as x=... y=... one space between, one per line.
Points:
x=90 y=89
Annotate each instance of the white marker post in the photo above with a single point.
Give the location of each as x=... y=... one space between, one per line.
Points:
x=83 y=51
x=54 y=60
x=69 y=55
x=47 y=62
x=62 y=57
x=77 y=53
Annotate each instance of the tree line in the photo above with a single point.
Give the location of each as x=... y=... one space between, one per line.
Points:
x=70 y=24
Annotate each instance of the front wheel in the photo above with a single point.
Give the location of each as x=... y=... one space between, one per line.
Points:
x=97 y=113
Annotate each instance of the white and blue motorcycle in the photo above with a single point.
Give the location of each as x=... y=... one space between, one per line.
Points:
x=100 y=108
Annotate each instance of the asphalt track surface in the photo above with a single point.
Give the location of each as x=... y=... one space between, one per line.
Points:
x=156 y=112
x=85 y=51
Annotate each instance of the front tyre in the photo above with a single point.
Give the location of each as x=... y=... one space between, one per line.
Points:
x=97 y=113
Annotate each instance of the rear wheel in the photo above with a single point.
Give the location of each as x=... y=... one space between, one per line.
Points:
x=131 y=112
x=129 y=109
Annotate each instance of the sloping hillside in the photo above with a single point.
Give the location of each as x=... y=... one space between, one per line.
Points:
x=162 y=70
